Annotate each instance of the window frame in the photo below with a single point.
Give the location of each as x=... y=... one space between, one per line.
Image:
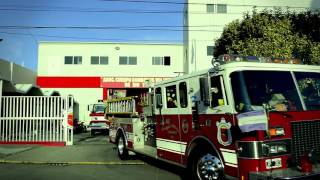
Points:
x=219 y=10
x=129 y=60
x=155 y=58
x=211 y=8
x=99 y=60
x=73 y=60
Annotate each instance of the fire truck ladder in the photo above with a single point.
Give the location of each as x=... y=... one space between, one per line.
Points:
x=125 y=105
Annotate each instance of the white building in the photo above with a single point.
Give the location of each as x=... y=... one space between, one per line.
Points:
x=94 y=71
x=204 y=21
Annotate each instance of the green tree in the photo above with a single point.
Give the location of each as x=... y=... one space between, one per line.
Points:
x=273 y=34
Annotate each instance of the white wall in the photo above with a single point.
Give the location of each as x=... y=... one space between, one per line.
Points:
x=51 y=59
x=16 y=73
x=84 y=97
x=204 y=28
x=52 y=55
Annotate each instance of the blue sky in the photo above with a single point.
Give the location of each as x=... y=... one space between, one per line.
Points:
x=24 y=23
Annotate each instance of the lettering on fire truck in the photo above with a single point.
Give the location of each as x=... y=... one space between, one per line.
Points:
x=244 y=118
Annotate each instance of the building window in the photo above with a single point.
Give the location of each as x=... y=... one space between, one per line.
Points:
x=210 y=50
x=99 y=60
x=128 y=60
x=68 y=60
x=73 y=60
x=221 y=8
x=104 y=60
x=210 y=8
x=157 y=60
x=217 y=8
x=167 y=60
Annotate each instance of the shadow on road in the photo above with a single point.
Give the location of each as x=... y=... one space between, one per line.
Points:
x=181 y=172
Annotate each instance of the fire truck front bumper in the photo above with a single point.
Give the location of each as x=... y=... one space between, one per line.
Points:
x=289 y=173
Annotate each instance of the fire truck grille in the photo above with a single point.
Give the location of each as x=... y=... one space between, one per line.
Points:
x=305 y=137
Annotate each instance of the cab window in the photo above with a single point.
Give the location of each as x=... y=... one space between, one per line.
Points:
x=158 y=97
x=216 y=92
x=183 y=94
x=171 y=96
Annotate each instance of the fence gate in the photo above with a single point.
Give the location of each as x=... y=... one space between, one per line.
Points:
x=43 y=120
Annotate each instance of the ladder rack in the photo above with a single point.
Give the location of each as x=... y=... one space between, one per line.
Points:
x=125 y=105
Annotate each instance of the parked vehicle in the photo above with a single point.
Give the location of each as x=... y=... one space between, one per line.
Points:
x=98 y=123
x=79 y=127
x=244 y=118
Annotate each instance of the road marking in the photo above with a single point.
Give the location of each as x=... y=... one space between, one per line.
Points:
x=73 y=163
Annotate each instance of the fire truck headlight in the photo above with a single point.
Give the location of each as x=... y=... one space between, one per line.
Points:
x=277 y=148
x=276 y=131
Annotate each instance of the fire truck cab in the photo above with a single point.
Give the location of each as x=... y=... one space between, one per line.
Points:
x=244 y=118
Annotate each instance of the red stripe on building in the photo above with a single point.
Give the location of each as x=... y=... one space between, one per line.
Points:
x=68 y=82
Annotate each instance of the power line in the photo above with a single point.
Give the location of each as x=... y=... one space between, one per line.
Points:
x=134 y=11
x=84 y=38
x=101 y=39
x=114 y=27
x=124 y=11
x=195 y=3
x=128 y=28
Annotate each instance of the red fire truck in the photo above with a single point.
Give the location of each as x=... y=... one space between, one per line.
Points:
x=244 y=118
x=98 y=123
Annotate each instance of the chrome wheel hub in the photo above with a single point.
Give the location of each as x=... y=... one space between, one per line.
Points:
x=209 y=167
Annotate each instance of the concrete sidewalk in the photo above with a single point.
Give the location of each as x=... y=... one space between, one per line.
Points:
x=80 y=153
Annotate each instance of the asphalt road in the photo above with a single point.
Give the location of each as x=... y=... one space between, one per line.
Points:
x=103 y=151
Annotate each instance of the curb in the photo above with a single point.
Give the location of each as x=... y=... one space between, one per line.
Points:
x=71 y=163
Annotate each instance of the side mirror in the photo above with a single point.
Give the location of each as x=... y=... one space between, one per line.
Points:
x=204 y=91
x=159 y=101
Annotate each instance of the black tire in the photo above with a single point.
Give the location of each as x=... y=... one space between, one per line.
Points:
x=93 y=132
x=205 y=165
x=123 y=153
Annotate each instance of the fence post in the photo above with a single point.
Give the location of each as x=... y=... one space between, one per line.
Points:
x=65 y=123
x=1 y=113
x=69 y=126
x=1 y=84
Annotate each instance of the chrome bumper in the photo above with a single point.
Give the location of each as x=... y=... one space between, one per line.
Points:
x=289 y=173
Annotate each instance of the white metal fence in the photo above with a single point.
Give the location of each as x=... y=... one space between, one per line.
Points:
x=36 y=119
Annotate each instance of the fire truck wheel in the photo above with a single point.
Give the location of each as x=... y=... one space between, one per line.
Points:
x=121 y=147
x=206 y=166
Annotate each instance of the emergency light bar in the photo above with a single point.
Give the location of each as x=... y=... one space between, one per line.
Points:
x=227 y=58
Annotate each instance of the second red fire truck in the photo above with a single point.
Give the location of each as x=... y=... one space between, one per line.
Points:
x=98 y=122
x=244 y=118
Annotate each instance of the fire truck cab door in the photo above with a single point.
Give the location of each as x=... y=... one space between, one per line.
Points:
x=169 y=144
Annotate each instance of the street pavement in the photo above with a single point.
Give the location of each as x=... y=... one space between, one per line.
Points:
x=89 y=158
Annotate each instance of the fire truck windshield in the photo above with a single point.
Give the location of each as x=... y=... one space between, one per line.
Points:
x=309 y=85
x=98 y=108
x=253 y=89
